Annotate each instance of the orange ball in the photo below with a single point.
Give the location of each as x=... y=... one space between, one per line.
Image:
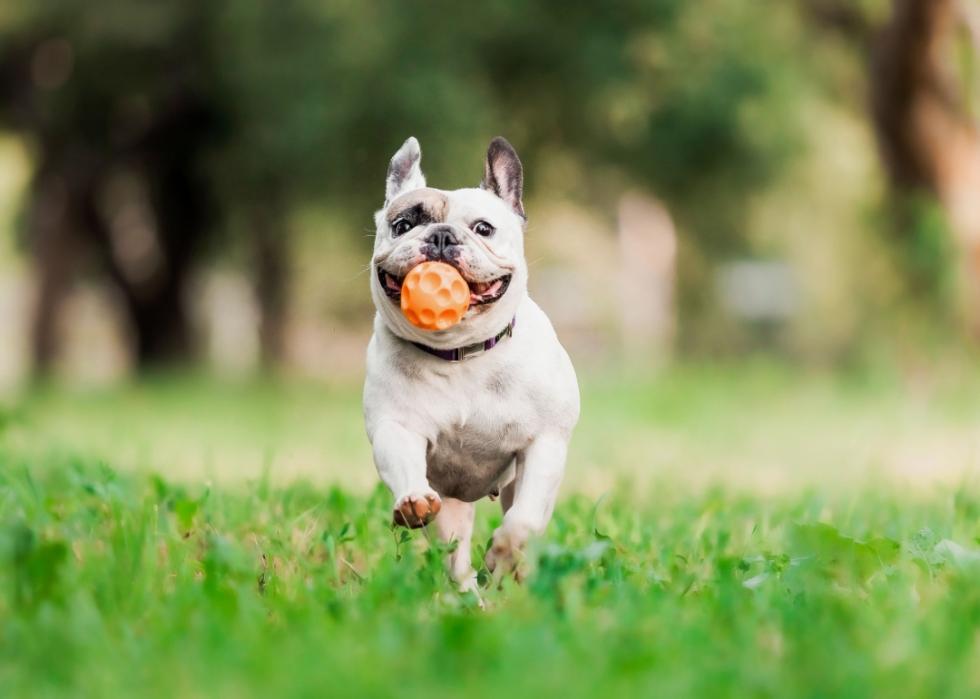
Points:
x=434 y=296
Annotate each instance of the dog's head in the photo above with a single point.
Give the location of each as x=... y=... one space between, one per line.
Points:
x=479 y=231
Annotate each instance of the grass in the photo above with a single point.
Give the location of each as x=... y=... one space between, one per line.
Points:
x=723 y=533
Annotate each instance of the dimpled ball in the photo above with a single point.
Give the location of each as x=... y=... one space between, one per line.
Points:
x=434 y=296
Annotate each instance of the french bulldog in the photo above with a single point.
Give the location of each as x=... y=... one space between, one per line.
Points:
x=485 y=407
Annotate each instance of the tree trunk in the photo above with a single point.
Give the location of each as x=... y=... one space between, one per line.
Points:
x=926 y=135
x=271 y=268
x=55 y=253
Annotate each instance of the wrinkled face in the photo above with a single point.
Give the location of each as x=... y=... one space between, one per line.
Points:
x=477 y=231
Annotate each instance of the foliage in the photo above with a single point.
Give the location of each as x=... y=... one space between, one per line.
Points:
x=311 y=98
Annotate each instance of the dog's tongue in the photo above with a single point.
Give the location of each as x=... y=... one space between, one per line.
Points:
x=486 y=288
x=392 y=283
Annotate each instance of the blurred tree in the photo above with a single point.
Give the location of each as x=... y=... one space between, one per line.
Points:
x=922 y=60
x=118 y=109
x=927 y=129
x=160 y=126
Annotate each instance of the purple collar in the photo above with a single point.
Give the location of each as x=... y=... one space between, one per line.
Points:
x=458 y=354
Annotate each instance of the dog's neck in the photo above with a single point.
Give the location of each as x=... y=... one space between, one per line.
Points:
x=459 y=354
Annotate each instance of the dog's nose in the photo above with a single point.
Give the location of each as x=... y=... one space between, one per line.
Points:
x=440 y=238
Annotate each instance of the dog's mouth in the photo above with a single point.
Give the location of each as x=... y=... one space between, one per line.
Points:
x=481 y=293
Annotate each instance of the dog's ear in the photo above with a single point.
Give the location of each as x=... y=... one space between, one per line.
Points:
x=405 y=171
x=503 y=174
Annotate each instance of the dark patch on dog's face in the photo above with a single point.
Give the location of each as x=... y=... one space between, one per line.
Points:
x=421 y=207
x=416 y=215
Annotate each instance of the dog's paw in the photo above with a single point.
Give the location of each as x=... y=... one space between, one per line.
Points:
x=416 y=509
x=506 y=553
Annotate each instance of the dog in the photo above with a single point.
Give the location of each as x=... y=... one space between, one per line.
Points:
x=485 y=407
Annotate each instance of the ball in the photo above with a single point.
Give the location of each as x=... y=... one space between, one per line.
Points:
x=434 y=296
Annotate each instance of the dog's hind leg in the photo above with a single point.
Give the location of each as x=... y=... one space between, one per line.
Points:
x=507 y=487
x=455 y=523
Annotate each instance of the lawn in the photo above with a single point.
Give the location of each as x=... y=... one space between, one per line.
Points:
x=740 y=531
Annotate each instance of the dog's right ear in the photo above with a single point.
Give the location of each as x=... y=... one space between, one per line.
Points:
x=405 y=171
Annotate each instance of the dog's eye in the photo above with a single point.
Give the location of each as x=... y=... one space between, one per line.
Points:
x=483 y=228
x=401 y=226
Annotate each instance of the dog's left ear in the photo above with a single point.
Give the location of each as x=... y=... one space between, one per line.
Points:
x=503 y=174
x=405 y=170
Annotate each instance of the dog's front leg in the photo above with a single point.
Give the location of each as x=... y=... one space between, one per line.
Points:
x=399 y=455
x=539 y=472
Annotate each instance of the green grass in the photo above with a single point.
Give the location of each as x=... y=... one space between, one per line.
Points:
x=723 y=533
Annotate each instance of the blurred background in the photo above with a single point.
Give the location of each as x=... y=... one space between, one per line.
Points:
x=192 y=183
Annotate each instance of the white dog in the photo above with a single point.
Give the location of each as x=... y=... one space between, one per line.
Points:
x=485 y=407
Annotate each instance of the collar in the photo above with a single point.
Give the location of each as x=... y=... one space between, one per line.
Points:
x=458 y=354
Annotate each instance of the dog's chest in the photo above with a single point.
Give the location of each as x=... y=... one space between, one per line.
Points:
x=477 y=439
